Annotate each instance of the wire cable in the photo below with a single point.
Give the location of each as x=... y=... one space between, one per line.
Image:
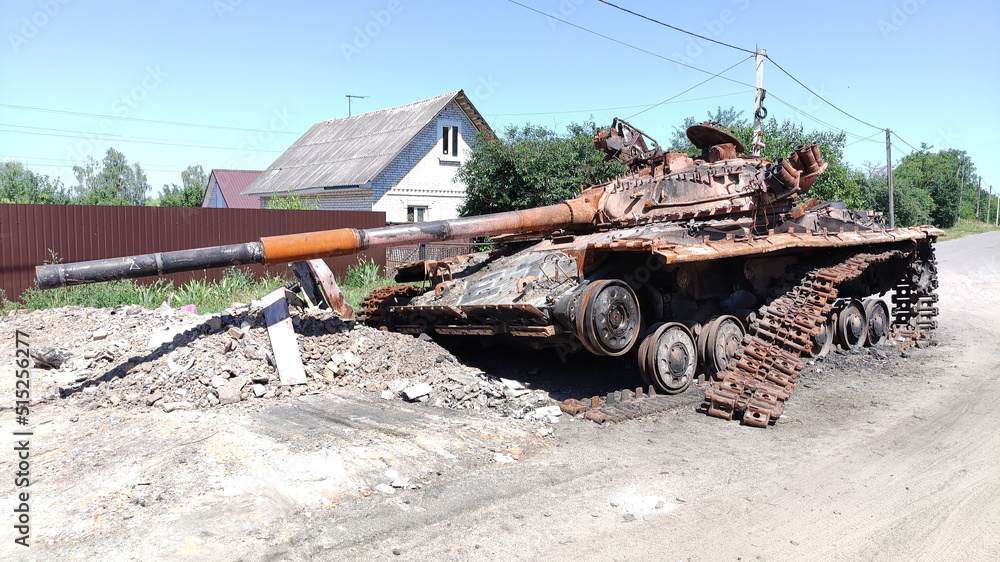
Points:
x=717 y=75
x=647 y=18
x=138 y=120
x=904 y=141
x=130 y=141
x=797 y=81
x=615 y=108
x=864 y=139
x=111 y=137
x=817 y=119
x=612 y=39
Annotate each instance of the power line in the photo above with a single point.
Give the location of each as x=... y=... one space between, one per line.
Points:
x=797 y=81
x=612 y=39
x=904 y=142
x=108 y=137
x=145 y=168
x=717 y=75
x=816 y=119
x=677 y=28
x=130 y=141
x=865 y=139
x=138 y=120
x=613 y=108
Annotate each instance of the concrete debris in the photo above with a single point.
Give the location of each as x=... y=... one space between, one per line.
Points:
x=385 y=489
x=50 y=357
x=416 y=391
x=231 y=393
x=171 y=406
x=503 y=458
x=178 y=369
x=227 y=358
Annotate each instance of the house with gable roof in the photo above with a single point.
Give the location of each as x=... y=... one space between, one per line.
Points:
x=401 y=160
x=224 y=187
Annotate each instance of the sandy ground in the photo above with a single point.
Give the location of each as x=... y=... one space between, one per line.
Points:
x=873 y=460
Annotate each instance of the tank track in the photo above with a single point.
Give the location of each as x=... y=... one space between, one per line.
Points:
x=762 y=375
x=913 y=297
x=374 y=308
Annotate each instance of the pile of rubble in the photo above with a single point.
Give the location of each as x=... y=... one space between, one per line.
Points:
x=175 y=359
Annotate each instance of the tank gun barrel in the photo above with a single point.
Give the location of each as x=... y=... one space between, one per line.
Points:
x=273 y=250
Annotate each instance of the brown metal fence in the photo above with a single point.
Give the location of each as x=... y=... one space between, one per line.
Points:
x=30 y=233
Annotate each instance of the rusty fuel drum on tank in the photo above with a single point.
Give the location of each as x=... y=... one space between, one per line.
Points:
x=712 y=266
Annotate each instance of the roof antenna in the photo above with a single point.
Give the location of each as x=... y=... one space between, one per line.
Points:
x=349 y=96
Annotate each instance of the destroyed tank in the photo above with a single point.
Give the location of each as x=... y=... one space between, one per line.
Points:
x=714 y=265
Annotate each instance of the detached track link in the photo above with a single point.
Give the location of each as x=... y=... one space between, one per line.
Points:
x=619 y=405
x=763 y=373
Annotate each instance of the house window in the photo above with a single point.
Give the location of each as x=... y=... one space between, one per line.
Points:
x=449 y=148
x=416 y=214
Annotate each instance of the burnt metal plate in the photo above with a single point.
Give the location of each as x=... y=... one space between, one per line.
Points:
x=705 y=136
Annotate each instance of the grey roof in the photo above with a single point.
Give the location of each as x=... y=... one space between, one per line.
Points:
x=353 y=150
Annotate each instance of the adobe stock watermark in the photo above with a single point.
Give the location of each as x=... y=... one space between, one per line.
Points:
x=946 y=138
x=899 y=17
x=32 y=25
x=364 y=34
x=485 y=88
x=225 y=7
x=254 y=143
x=563 y=11
x=713 y=28
x=122 y=107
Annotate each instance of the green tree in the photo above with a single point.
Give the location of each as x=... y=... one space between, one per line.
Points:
x=191 y=192
x=20 y=185
x=531 y=166
x=112 y=182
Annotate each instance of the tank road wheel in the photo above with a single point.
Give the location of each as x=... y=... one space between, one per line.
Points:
x=878 y=321
x=722 y=338
x=643 y=347
x=823 y=341
x=671 y=358
x=852 y=325
x=609 y=320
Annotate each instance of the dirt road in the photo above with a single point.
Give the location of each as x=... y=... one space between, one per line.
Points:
x=894 y=459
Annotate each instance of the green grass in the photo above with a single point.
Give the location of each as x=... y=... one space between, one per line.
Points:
x=968 y=228
x=236 y=285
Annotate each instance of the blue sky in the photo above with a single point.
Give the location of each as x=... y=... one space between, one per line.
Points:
x=232 y=83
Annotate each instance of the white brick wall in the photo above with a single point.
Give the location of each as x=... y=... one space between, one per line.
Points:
x=418 y=178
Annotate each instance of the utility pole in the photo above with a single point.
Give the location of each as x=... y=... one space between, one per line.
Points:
x=978 y=189
x=996 y=222
x=961 y=187
x=759 y=113
x=349 y=96
x=988 y=201
x=888 y=168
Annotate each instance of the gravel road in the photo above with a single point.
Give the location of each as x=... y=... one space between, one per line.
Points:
x=874 y=459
